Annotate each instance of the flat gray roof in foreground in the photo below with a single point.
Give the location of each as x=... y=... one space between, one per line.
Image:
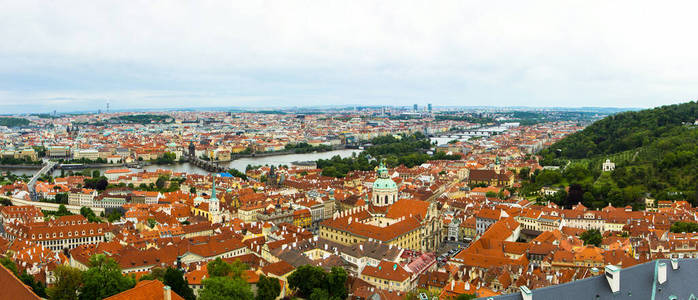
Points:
x=636 y=282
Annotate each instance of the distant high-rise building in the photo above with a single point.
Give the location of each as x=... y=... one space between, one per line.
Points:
x=429 y=107
x=415 y=107
x=107 y=106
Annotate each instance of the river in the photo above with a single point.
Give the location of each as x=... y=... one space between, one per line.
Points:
x=445 y=140
x=239 y=164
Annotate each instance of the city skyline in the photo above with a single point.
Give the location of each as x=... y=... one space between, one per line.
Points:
x=74 y=56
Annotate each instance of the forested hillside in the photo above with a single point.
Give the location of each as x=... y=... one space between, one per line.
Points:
x=655 y=151
x=625 y=131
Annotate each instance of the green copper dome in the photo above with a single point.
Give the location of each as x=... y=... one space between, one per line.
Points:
x=383 y=181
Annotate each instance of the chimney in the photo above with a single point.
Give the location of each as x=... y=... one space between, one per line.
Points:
x=613 y=277
x=674 y=263
x=167 y=293
x=526 y=294
x=661 y=273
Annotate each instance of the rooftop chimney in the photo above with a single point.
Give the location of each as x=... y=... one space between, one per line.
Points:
x=613 y=277
x=167 y=293
x=661 y=272
x=526 y=294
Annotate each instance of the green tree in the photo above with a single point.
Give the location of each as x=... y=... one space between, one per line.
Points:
x=95 y=174
x=175 y=279
x=61 y=198
x=319 y=294
x=160 y=183
x=97 y=183
x=8 y=263
x=216 y=288
x=306 y=278
x=220 y=268
x=592 y=237
x=268 y=288
x=37 y=286
x=466 y=297
x=314 y=283
x=62 y=211
x=103 y=279
x=336 y=280
x=114 y=215
x=156 y=273
x=152 y=222
x=67 y=285
x=680 y=227
x=89 y=214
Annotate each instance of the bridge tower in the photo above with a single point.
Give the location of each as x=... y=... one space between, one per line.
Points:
x=192 y=150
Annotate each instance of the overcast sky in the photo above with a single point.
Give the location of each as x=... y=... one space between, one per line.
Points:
x=74 y=55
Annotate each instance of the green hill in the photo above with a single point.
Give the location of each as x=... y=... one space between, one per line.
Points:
x=627 y=131
x=655 y=151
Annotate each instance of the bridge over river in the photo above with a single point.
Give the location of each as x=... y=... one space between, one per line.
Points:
x=48 y=167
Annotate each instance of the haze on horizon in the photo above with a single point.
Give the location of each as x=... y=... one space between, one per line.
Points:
x=74 y=55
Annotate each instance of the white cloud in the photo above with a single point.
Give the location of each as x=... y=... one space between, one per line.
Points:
x=547 y=53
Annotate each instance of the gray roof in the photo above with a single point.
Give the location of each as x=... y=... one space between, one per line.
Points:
x=636 y=282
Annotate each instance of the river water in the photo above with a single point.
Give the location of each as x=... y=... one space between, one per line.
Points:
x=445 y=140
x=239 y=164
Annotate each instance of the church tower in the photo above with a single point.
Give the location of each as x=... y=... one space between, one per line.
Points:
x=384 y=188
x=214 y=203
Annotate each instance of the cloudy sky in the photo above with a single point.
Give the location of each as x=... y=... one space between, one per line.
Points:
x=74 y=55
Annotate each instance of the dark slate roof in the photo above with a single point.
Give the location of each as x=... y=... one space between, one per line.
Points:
x=636 y=282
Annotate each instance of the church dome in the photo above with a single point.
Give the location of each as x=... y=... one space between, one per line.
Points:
x=384 y=184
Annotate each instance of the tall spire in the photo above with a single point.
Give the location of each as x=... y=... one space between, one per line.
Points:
x=213 y=187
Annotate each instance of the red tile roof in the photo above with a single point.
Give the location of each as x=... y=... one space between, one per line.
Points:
x=13 y=288
x=145 y=290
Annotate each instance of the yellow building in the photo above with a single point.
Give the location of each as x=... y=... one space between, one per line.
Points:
x=351 y=228
x=302 y=218
x=387 y=276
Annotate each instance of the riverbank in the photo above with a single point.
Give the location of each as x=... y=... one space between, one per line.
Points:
x=239 y=164
x=283 y=152
x=24 y=167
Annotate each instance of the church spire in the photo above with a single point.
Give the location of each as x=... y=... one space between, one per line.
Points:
x=213 y=187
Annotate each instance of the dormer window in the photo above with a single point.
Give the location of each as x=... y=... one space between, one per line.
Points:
x=70 y=233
